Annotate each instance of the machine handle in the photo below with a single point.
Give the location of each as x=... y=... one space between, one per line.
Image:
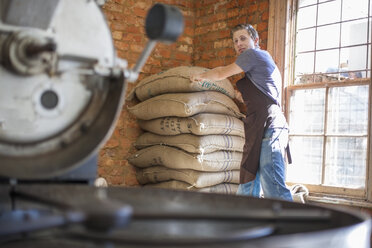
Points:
x=164 y=23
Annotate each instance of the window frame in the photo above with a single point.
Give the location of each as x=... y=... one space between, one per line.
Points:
x=281 y=33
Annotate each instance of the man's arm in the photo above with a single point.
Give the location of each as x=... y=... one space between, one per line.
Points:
x=218 y=73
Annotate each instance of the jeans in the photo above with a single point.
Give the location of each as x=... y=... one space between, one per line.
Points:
x=270 y=176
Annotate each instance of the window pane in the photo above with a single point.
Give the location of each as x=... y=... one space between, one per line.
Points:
x=329 y=12
x=307 y=111
x=328 y=36
x=307 y=160
x=306 y=17
x=327 y=61
x=348 y=110
x=369 y=63
x=346 y=162
x=370 y=28
x=304 y=63
x=302 y=3
x=305 y=40
x=354 y=58
x=354 y=32
x=352 y=9
x=369 y=48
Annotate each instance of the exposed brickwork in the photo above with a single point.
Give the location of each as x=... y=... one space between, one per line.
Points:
x=205 y=42
x=213 y=21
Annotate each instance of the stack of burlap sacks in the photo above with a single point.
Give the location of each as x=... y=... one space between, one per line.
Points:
x=193 y=137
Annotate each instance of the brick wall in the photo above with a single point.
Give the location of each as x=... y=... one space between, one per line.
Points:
x=213 y=21
x=205 y=42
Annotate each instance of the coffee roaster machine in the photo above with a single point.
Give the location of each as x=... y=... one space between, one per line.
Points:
x=61 y=90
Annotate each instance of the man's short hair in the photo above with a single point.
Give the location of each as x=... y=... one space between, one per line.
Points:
x=251 y=31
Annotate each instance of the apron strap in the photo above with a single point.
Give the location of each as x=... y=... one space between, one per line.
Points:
x=289 y=156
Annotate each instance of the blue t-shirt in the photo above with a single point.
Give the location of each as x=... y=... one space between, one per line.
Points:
x=261 y=69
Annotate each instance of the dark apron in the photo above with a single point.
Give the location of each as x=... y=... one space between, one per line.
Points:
x=255 y=123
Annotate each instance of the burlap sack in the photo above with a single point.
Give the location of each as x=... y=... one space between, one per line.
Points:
x=197 y=179
x=192 y=143
x=200 y=124
x=178 y=159
x=185 y=105
x=177 y=80
x=223 y=188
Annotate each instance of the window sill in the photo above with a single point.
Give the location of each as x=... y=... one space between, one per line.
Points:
x=338 y=200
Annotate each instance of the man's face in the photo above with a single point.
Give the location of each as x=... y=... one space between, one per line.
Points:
x=242 y=41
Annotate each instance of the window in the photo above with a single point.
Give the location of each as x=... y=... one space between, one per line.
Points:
x=332 y=40
x=328 y=94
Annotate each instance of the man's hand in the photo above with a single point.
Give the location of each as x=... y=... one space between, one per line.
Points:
x=240 y=102
x=238 y=96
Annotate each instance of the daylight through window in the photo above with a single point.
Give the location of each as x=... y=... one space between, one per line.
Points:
x=328 y=101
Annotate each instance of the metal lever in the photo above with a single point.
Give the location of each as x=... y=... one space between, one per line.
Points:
x=164 y=23
x=131 y=75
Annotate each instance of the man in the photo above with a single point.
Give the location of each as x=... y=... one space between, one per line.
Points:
x=266 y=129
